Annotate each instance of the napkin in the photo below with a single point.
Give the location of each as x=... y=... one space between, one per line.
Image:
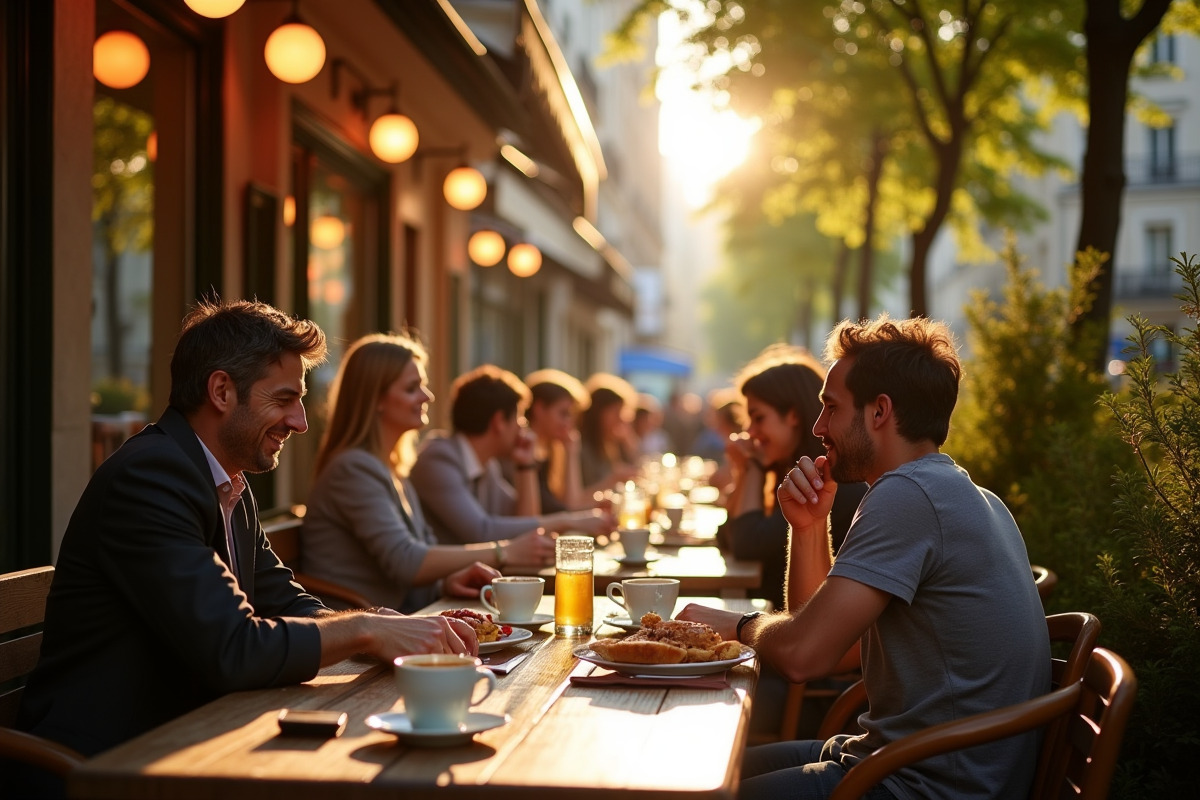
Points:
x=716 y=681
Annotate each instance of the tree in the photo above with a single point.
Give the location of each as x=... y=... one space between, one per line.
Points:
x=923 y=85
x=1112 y=40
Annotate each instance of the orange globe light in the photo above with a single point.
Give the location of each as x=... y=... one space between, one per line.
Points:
x=393 y=138
x=214 y=9
x=294 y=52
x=289 y=211
x=464 y=188
x=120 y=59
x=327 y=232
x=486 y=248
x=524 y=260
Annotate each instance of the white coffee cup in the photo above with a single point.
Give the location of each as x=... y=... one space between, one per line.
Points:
x=674 y=516
x=634 y=542
x=513 y=599
x=640 y=596
x=438 y=688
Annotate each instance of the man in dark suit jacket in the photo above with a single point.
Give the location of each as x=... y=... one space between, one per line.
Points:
x=166 y=593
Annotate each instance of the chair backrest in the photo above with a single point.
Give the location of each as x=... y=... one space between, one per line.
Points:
x=1096 y=710
x=1083 y=760
x=284 y=535
x=22 y=605
x=1045 y=580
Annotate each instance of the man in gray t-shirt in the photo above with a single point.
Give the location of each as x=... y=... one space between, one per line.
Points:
x=932 y=586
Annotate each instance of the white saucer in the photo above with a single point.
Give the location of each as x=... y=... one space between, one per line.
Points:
x=635 y=562
x=518 y=635
x=397 y=723
x=622 y=621
x=530 y=624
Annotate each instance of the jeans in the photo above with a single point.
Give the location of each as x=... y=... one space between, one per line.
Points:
x=796 y=770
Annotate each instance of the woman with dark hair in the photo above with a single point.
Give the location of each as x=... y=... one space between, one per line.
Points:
x=557 y=400
x=781 y=388
x=364 y=528
x=604 y=432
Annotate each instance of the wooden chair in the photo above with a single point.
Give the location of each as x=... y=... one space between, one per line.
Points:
x=1077 y=628
x=1045 y=580
x=1095 y=709
x=284 y=535
x=22 y=606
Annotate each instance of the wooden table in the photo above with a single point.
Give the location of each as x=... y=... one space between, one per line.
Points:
x=563 y=740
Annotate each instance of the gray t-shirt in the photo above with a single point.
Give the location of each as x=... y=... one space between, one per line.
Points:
x=964 y=633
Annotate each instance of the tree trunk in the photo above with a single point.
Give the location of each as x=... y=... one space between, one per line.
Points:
x=949 y=156
x=114 y=347
x=1112 y=41
x=841 y=266
x=866 y=269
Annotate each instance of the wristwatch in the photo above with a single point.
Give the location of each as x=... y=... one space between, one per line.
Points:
x=746 y=618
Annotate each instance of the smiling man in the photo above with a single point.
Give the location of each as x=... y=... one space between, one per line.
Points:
x=166 y=593
x=932 y=581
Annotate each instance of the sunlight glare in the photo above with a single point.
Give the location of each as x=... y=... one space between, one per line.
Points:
x=701 y=143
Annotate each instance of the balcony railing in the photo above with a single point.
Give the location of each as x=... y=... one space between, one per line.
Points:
x=1142 y=283
x=1153 y=172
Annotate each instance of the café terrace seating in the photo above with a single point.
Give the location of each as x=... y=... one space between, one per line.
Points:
x=283 y=532
x=1080 y=764
x=22 y=611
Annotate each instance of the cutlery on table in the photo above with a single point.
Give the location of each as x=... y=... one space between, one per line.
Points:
x=506 y=666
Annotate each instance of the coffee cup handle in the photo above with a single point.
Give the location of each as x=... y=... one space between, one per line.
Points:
x=484 y=674
x=483 y=593
x=616 y=587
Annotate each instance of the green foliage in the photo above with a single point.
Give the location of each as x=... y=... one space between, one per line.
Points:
x=122 y=176
x=1151 y=606
x=1029 y=427
x=114 y=395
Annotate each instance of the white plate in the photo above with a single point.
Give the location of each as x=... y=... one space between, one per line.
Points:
x=531 y=624
x=397 y=723
x=638 y=562
x=518 y=635
x=622 y=621
x=585 y=653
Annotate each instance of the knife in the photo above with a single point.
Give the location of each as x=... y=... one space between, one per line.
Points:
x=505 y=667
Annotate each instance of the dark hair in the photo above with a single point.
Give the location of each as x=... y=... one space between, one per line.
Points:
x=912 y=361
x=787 y=379
x=242 y=338
x=548 y=387
x=606 y=391
x=476 y=396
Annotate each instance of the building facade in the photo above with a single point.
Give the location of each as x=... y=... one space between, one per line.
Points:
x=214 y=174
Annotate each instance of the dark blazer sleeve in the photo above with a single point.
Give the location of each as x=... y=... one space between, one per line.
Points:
x=441 y=483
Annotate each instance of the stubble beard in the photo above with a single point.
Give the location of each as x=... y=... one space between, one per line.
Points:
x=854 y=455
x=240 y=438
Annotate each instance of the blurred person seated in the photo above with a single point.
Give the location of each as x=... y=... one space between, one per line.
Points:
x=458 y=475
x=681 y=420
x=647 y=437
x=166 y=593
x=558 y=401
x=365 y=528
x=781 y=389
x=604 y=430
x=724 y=420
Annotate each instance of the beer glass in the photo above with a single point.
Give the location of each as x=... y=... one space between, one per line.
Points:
x=573 y=586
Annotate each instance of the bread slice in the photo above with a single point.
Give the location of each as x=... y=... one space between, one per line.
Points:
x=638 y=652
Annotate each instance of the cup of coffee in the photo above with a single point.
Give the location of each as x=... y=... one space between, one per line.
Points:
x=512 y=599
x=438 y=688
x=634 y=542
x=640 y=596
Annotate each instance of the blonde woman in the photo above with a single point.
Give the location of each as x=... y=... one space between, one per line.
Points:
x=365 y=528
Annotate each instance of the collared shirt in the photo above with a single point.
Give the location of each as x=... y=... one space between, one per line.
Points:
x=230 y=491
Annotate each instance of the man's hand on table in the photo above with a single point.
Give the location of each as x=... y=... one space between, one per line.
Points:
x=467 y=582
x=720 y=620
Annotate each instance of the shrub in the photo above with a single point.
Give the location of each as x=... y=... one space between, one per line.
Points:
x=1150 y=606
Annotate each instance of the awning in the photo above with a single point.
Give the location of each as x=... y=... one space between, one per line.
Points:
x=649 y=359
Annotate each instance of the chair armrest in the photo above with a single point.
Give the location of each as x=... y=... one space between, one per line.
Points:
x=42 y=753
x=955 y=735
x=837 y=718
x=324 y=588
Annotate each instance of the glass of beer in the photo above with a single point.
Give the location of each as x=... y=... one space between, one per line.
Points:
x=573 y=586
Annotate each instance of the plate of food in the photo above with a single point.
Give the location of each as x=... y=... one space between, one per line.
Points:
x=666 y=647
x=492 y=636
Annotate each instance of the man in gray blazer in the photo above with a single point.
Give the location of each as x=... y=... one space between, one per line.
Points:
x=166 y=594
x=458 y=476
